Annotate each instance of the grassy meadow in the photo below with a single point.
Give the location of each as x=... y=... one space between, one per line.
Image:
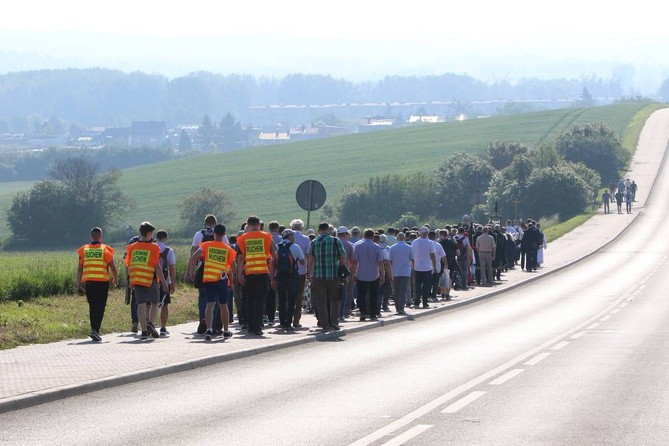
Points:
x=262 y=180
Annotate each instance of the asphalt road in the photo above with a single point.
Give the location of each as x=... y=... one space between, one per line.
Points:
x=578 y=357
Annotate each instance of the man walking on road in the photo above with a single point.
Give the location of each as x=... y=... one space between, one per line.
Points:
x=255 y=270
x=401 y=260
x=486 y=246
x=368 y=272
x=96 y=261
x=304 y=243
x=142 y=260
x=327 y=253
x=218 y=260
x=425 y=262
x=606 y=199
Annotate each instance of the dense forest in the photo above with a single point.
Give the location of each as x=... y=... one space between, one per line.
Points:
x=106 y=97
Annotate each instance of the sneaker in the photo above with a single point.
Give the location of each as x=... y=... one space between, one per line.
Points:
x=258 y=333
x=296 y=325
x=265 y=319
x=374 y=318
x=152 y=330
x=134 y=328
x=207 y=335
x=144 y=336
x=362 y=318
x=164 y=332
x=95 y=336
x=202 y=327
x=244 y=327
x=227 y=334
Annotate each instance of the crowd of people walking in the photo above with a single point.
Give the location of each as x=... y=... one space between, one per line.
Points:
x=335 y=273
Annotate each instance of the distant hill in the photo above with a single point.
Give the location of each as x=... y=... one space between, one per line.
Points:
x=263 y=180
x=103 y=97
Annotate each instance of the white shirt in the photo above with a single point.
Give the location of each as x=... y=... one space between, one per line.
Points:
x=422 y=248
x=304 y=243
x=171 y=258
x=439 y=253
x=197 y=239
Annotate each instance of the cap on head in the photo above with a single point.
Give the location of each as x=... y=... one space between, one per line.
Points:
x=287 y=233
x=342 y=230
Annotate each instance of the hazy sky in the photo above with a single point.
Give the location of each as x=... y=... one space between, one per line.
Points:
x=357 y=40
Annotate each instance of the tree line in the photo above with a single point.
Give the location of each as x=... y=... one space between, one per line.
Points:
x=112 y=98
x=563 y=178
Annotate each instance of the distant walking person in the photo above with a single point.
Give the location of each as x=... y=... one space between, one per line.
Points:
x=634 y=188
x=326 y=254
x=96 y=261
x=606 y=199
x=619 y=201
x=628 y=200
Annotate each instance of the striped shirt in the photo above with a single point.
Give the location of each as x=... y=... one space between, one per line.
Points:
x=326 y=251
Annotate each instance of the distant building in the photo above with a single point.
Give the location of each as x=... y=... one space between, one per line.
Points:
x=372 y=124
x=418 y=119
x=276 y=137
x=147 y=134
x=115 y=136
x=304 y=133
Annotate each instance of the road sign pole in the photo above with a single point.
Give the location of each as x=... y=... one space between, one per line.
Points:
x=309 y=201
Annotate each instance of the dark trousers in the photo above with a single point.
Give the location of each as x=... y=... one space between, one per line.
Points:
x=298 y=298
x=202 y=304
x=531 y=259
x=270 y=304
x=325 y=294
x=423 y=283
x=256 y=292
x=133 y=308
x=96 y=294
x=286 y=287
x=368 y=293
x=434 y=285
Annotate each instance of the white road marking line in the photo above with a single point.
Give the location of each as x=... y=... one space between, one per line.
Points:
x=537 y=359
x=578 y=335
x=560 y=345
x=431 y=405
x=617 y=310
x=507 y=376
x=624 y=304
x=408 y=435
x=462 y=402
x=642 y=287
x=593 y=326
x=605 y=318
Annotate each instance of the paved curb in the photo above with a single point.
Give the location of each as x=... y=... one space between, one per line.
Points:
x=49 y=395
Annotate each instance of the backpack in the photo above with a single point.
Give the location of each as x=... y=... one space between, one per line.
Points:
x=207 y=235
x=163 y=262
x=285 y=263
x=461 y=245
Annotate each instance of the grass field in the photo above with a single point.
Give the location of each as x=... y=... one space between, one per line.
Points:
x=263 y=180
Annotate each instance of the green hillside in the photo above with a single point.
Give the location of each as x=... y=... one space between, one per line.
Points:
x=263 y=180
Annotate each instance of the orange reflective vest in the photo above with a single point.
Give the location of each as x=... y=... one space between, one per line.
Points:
x=95 y=259
x=218 y=258
x=255 y=246
x=141 y=260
